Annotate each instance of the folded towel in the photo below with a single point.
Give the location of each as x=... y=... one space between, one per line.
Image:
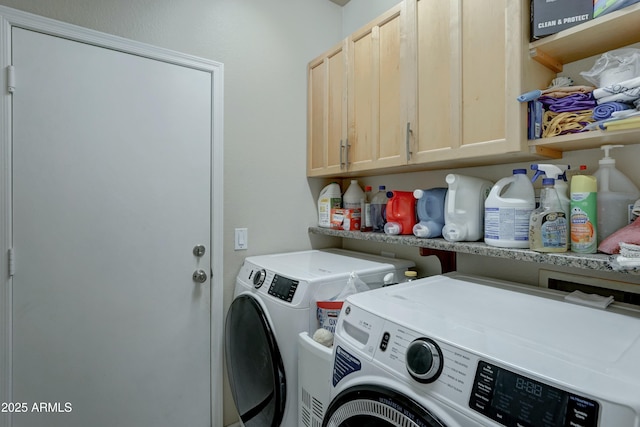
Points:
x=591 y=300
x=612 y=89
x=604 y=111
x=626 y=262
x=629 y=250
x=630 y=96
x=573 y=102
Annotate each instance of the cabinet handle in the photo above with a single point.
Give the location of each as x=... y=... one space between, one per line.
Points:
x=408 y=141
x=346 y=156
x=341 y=154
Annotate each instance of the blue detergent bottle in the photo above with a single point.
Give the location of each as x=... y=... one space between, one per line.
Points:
x=430 y=211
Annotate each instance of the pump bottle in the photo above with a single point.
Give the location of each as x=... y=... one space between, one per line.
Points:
x=616 y=195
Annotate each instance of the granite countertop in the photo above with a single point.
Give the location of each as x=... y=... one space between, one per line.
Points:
x=599 y=262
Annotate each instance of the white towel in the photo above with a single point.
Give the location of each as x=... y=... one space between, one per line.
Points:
x=629 y=250
x=623 y=86
x=591 y=300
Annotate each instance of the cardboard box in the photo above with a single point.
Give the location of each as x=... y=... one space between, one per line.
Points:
x=551 y=16
x=602 y=7
x=345 y=219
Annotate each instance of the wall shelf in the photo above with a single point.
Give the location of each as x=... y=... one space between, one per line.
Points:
x=608 y=32
x=599 y=262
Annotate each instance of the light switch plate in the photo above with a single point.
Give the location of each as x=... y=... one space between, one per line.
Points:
x=241 y=239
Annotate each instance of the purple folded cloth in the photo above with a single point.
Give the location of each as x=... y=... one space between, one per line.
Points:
x=574 y=102
x=604 y=111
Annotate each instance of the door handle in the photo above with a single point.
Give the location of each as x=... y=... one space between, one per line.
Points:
x=200 y=276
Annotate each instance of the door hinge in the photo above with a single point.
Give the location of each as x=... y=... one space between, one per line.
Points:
x=12 y=262
x=11 y=78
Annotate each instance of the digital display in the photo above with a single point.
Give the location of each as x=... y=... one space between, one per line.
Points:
x=515 y=400
x=283 y=288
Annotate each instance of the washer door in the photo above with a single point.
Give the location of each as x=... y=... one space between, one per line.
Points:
x=254 y=364
x=375 y=406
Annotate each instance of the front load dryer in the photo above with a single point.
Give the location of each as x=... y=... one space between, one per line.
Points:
x=461 y=351
x=275 y=300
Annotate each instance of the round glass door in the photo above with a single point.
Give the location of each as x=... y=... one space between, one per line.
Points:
x=375 y=406
x=254 y=365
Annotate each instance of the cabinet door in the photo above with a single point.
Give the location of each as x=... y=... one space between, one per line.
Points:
x=436 y=131
x=326 y=113
x=491 y=48
x=468 y=77
x=376 y=100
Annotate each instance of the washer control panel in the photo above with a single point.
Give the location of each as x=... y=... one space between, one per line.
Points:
x=515 y=400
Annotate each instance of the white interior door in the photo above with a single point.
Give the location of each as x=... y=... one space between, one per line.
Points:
x=111 y=192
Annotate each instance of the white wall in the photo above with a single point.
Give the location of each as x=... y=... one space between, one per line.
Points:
x=265 y=47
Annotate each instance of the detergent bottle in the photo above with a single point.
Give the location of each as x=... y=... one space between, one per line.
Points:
x=507 y=211
x=330 y=198
x=464 y=208
x=616 y=195
x=401 y=212
x=430 y=210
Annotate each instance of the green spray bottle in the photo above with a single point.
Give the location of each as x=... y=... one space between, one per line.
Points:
x=584 y=214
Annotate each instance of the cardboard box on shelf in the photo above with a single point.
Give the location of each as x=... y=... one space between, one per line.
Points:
x=345 y=219
x=551 y=16
x=602 y=7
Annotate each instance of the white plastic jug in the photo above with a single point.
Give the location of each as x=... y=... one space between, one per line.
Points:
x=354 y=196
x=616 y=196
x=464 y=208
x=507 y=211
x=330 y=197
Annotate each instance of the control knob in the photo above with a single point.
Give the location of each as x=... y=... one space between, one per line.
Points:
x=258 y=278
x=424 y=360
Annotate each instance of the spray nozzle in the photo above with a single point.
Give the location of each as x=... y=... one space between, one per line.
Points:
x=607 y=148
x=557 y=172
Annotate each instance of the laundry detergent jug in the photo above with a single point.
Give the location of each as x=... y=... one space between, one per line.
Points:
x=401 y=212
x=464 y=208
x=430 y=210
x=507 y=211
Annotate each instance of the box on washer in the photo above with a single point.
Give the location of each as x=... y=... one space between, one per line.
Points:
x=551 y=16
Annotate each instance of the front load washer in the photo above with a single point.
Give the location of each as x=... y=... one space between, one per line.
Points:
x=274 y=300
x=460 y=351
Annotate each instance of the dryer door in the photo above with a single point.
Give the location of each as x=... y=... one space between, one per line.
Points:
x=375 y=406
x=254 y=364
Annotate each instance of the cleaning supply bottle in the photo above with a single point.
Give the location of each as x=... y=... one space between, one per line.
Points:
x=548 y=224
x=366 y=210
x=507 y=211
x=584 y=214
x=559 y=174
x=330 y=198
x=353 y=197
x=379 y=209
x=616 y=195
x=401 y=212
x=430 y=211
